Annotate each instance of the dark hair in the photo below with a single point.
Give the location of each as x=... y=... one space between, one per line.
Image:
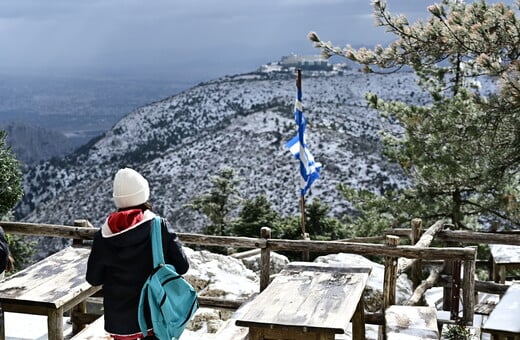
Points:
x=144 y=206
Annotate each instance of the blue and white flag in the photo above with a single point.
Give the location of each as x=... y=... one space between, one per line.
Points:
x=309 y=169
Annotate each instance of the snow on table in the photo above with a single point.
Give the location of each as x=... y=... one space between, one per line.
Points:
x=503 y=254
x=504 y=257
x=505 y=318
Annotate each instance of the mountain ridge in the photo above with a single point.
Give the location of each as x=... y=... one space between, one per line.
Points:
x=32 y=144
x=240 y=122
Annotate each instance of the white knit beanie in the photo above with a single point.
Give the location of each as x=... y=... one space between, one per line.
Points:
x=130 y=188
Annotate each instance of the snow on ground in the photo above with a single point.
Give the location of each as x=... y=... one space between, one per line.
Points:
x=29 y=327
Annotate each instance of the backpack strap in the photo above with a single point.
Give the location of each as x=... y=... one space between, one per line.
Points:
x=157 y=245
x=158 y=259
x=143 y=299
x=157 y=249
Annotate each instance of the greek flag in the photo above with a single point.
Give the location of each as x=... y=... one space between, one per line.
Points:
x=309 y=169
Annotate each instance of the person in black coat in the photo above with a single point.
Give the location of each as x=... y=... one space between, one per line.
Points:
x=121 y=257
x=6 y=260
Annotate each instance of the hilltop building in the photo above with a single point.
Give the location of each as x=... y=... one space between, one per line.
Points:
x=309 y=62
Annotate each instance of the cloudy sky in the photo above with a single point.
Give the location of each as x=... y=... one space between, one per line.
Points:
x=183 y=39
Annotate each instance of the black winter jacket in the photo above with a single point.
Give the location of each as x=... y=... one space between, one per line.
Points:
x=4 y=250
x=122 y=262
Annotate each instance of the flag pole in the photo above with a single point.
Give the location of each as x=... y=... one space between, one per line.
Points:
x=302 y=218
x=302 y=197
x=305 y=236
x=309 y=169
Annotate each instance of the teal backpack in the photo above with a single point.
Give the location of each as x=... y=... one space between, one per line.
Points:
x=172 y=300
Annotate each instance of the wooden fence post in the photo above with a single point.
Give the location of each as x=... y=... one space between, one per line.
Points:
x=305 y=253
x=455 y=291
x=390 y=279
x=265 y=259
x=448 y=270
x=390 y=274
x=80 y=224
x=80 y=308
x=468 y=290
x=416 y=271
x=2 y=323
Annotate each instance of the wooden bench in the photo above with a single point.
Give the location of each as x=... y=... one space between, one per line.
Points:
x=49 y=287
x=505 y=257
x=93 y=331
x=231 y=331
x=96 y=331
x=504 y=320
x=411 y=322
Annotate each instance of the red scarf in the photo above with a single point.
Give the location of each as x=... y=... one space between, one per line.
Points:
x=121 y=220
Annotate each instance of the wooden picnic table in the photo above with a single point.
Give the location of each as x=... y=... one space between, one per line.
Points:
x=504 y=321
x=49 y=287
x=505 y=257
x=94 y=331
x=308 y=301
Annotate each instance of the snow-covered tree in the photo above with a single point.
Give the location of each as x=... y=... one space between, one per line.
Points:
x=462 y=149
x=219 y=202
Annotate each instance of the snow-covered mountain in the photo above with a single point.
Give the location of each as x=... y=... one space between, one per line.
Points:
x=240 y=122
x=32 y=144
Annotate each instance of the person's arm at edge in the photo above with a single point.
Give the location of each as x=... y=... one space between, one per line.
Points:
x=95 y=271
x=174 y=253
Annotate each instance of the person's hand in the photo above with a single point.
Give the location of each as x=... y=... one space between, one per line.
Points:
x=10 y=263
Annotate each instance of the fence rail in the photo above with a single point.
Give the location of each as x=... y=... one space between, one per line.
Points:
x=425 y=253
x=83 y=230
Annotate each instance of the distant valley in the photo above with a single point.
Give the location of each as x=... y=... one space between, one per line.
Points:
x=78 y=108
x=32 y=144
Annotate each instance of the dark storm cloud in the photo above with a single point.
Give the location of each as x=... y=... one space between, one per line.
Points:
x=198 y=38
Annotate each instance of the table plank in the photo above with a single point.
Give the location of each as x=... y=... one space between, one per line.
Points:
x=93 y=331
x=53 y=281
x=506 y=315
x=505 y=257
x=505 y=254
x=308 y=296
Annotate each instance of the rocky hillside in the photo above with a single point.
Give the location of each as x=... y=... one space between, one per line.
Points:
x=32 y=144
x=241 y=122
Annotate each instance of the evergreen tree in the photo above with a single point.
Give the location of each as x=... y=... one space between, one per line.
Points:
x=319 y=225
x=22 y=250
x=10 y=178
x=254 y=215
x=461 y=149
x=377 y=212
x=10 y=193
x=219 y=202
x=289 y=228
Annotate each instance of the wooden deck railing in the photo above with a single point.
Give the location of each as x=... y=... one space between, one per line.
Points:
x=82 y=230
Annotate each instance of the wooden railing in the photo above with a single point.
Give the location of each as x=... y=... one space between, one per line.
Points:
x=83 y=230
x=471 y=238
x=468 y=237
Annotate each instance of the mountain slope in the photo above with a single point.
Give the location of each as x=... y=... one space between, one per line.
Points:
x=241 y=122
x=32 y=144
